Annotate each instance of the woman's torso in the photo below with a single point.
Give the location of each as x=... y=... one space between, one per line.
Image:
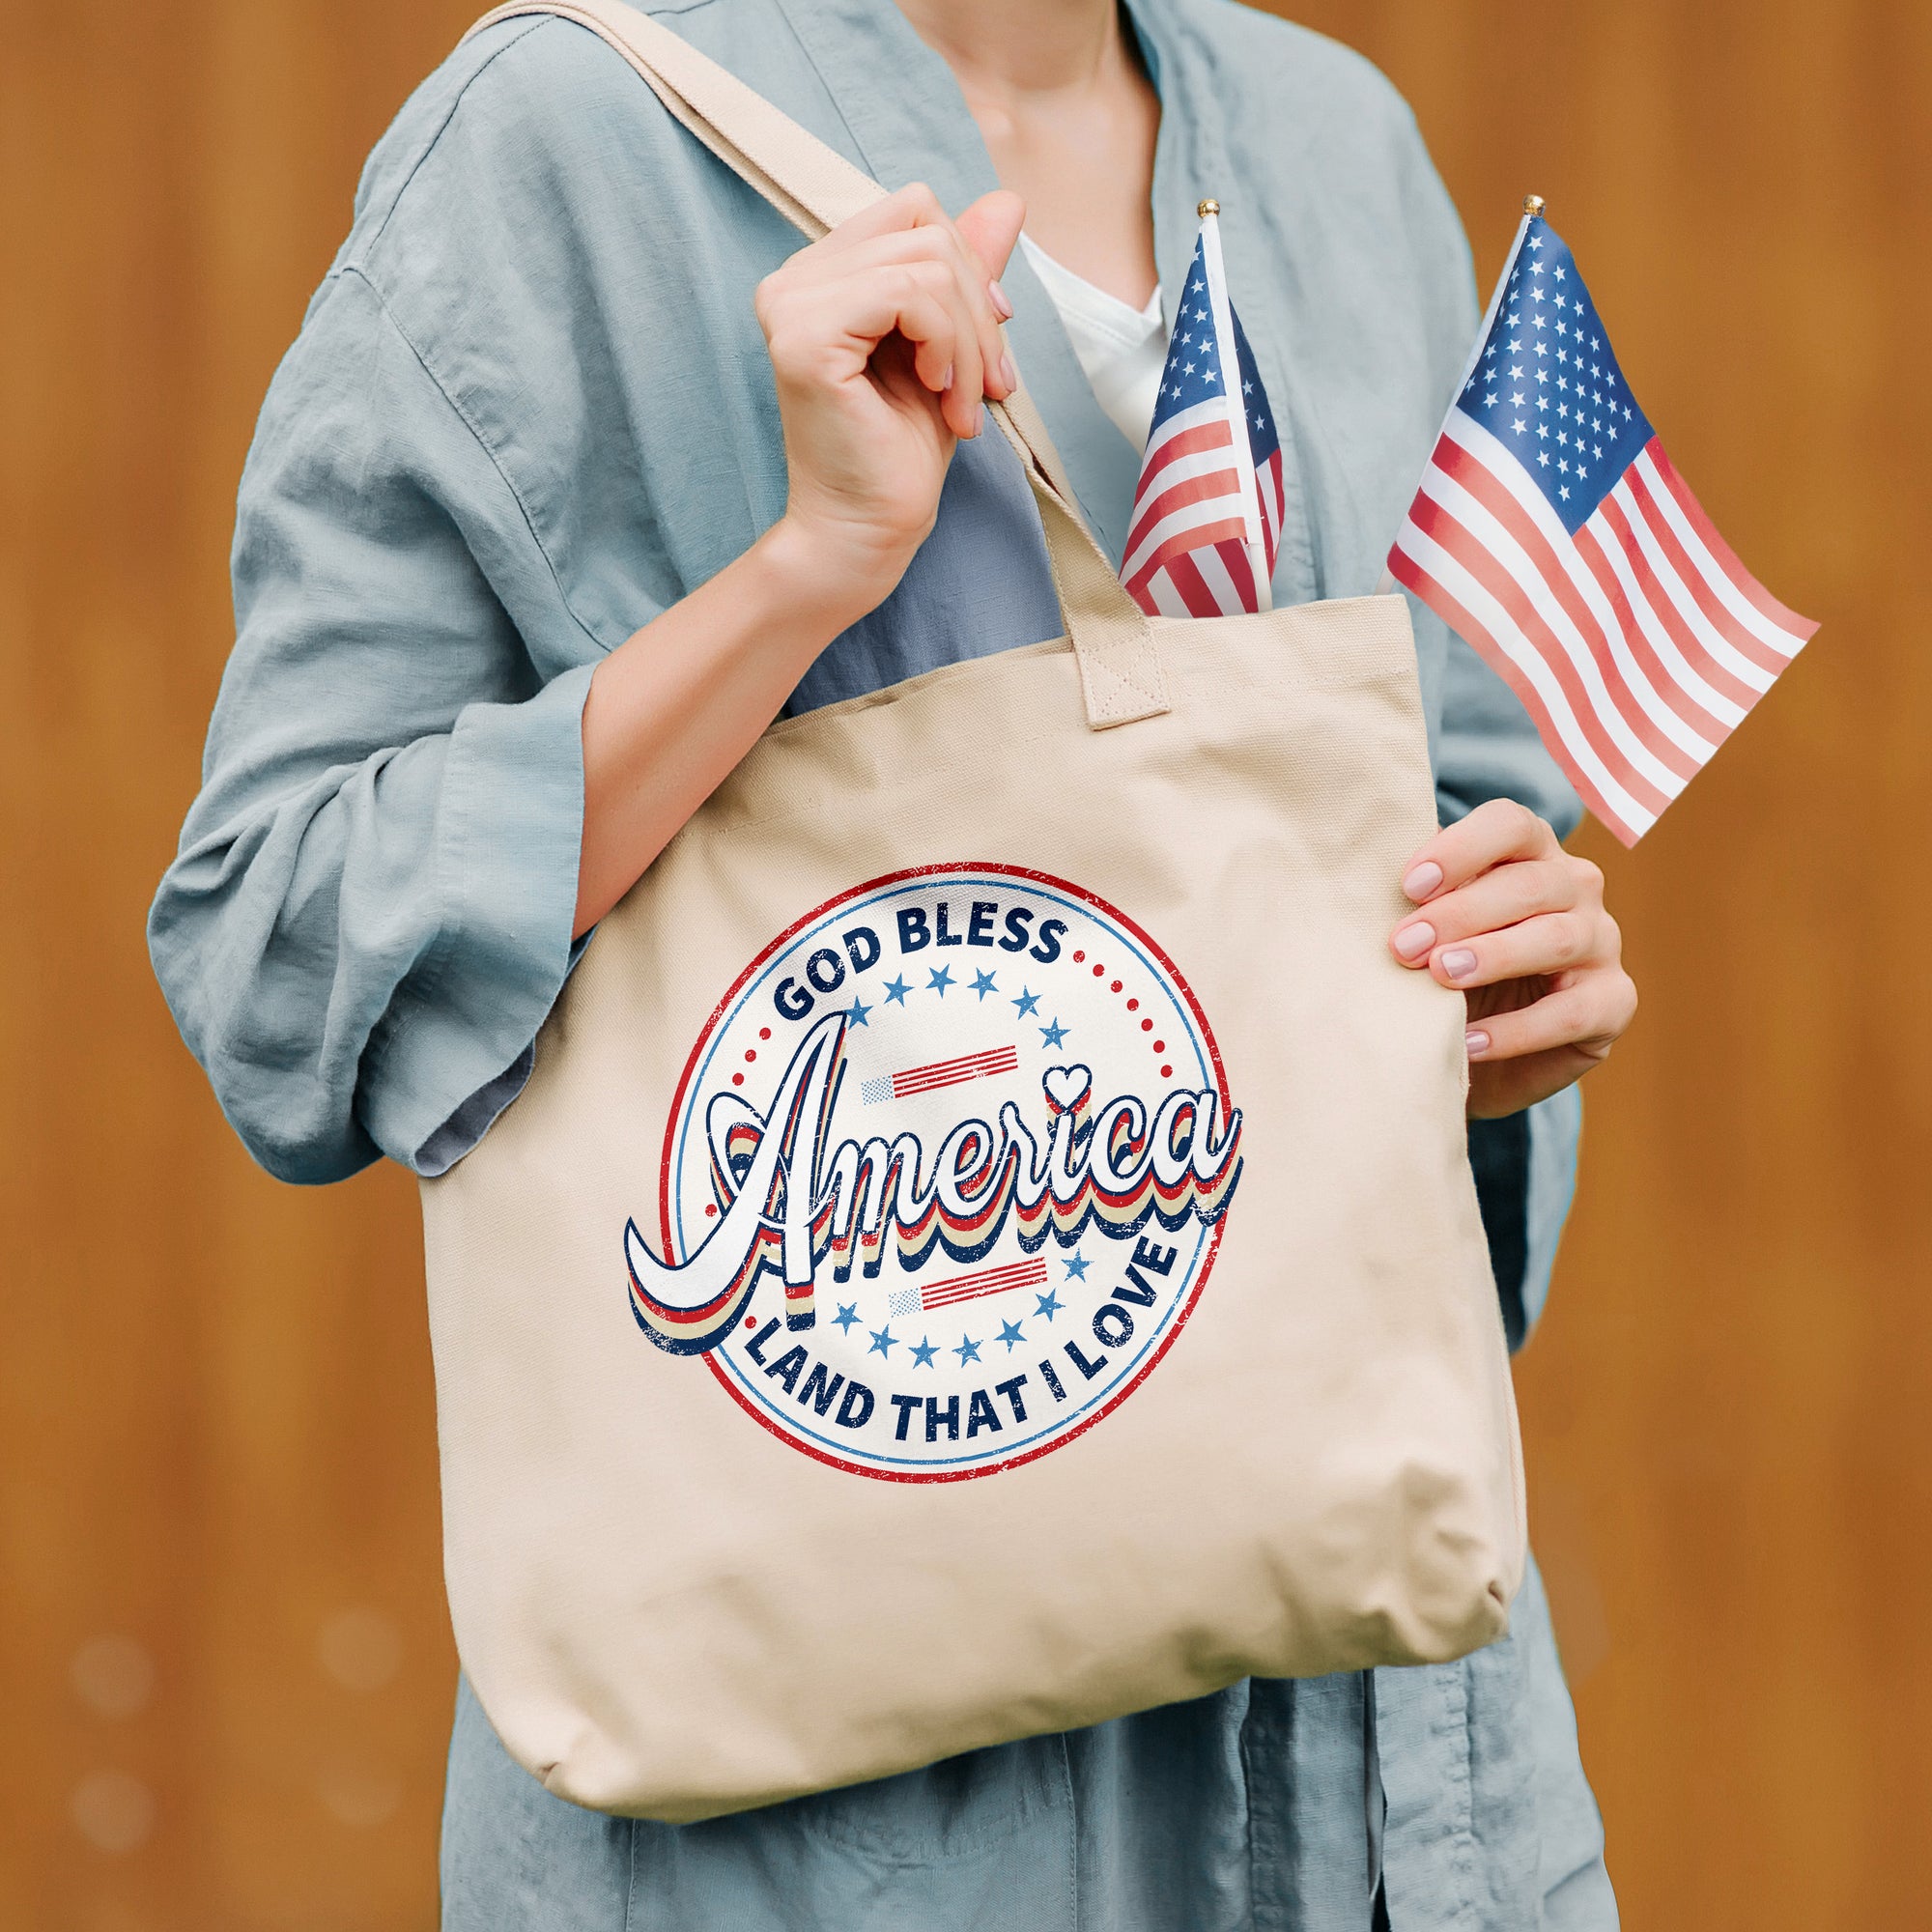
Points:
x=541 y=330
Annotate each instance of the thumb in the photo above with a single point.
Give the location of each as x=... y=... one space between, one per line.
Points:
x=991 y=226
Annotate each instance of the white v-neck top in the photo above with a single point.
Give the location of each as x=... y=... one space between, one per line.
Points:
x=1121 y=349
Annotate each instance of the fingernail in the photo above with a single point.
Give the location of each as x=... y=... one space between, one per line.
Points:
x=1414 y=941
x=1008 y=375
x=945 y=381
x=1477 y=1041
x=1423 y=881
x=1459 y=963
x=997 y=295
x=978 y=417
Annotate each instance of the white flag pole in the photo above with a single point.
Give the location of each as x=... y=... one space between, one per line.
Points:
x=1532 y=207
x=1231 y=389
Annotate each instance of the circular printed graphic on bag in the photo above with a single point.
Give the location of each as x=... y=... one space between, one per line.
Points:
x=943 y=1177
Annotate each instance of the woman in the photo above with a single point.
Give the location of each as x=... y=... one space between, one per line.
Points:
x=579 y=472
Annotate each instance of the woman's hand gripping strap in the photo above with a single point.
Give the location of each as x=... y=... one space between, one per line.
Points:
x=815 y=188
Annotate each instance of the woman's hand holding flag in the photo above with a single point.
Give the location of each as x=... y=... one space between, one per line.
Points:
x=1517 y=924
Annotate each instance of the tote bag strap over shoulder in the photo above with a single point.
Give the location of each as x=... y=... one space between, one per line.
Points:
x=815 y=189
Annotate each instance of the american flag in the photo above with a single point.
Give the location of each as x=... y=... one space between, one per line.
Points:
x=1207 y=517
x=1553 y=533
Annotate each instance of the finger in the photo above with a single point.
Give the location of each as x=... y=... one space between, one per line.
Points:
x=946 y=246
x=1494 y=899
x=935 y=314
x=1588 y=1015
x=890 y=371
x=912 y=223
x=1552 y=943
x=914 y=206
x=1497 y=830
x=848 y=319
x=828 y=334
x=878 y=330
x=819 y=262
x=990 y=229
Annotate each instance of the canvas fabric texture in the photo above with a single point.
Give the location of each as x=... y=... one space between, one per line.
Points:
x=988 y=1243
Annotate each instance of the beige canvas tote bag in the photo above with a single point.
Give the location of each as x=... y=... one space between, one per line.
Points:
x=988 y=1243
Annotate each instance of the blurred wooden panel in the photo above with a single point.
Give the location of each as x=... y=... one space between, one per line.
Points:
x=225 y=1667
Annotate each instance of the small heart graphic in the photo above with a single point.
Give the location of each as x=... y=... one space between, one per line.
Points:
x=1066 y=1086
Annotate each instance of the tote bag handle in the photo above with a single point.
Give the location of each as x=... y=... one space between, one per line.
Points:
x=815 y=189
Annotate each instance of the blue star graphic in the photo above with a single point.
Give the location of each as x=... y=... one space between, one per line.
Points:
x=982 y=985
x=1026 y=1002
x=859 y=1013
x=1076 y=1269
x=882 y=1341
x=896 y=992
x=923 y=1353
x=1010 y=1334
x=938 y=980
x=1053 y=1034
x=968 y=1351
x=1050 y=1304
x=848 y=1314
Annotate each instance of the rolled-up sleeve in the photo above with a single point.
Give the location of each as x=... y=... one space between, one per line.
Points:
x=370 y=914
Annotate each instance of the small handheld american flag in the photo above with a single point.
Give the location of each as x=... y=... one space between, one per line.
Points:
x=1207 y=517
x=1554 y=534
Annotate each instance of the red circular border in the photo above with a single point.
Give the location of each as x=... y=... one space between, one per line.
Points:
x=718 y=1014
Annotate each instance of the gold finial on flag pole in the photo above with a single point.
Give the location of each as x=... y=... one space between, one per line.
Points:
x=1208 y=207
x=1532 y=204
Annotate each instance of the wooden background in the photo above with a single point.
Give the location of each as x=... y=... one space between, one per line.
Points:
x=225 y=1670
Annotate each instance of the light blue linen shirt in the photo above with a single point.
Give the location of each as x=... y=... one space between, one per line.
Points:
x=529 y=409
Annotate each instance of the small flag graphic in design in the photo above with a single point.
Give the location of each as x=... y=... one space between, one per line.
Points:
x=1554 y=535
x=1206 y=516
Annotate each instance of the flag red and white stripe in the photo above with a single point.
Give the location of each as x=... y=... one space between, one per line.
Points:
x=1637 y=645
x=1604 y=596
x=1207 y=511
x=950 y=1072
x=1030 y=1272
